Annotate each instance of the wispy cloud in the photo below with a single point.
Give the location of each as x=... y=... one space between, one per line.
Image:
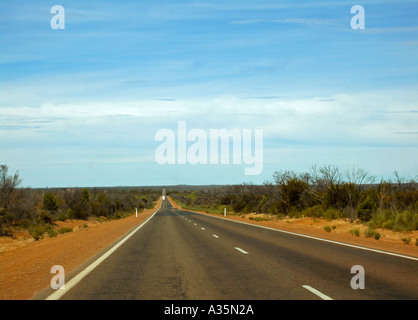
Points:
x=314 y=119
x=407 y=132
x=403 y=111
x=410 y=43
x=300 y=21
x=390 y=30
x=266 y=97
x=305 y=21
x=249 y=21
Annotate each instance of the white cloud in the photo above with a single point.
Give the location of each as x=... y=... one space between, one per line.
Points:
x=344 y=130
x=372 y=117
x=390 y=30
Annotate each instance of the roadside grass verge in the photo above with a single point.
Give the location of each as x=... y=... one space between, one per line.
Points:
x=39 y=229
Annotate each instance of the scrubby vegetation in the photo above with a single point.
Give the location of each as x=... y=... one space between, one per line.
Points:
x=36 y=210
x=322 y=192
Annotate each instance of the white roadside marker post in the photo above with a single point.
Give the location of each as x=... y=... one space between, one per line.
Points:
x=224 y=212
x=136 y=212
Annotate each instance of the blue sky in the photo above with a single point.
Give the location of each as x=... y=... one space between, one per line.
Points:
x=81 y=106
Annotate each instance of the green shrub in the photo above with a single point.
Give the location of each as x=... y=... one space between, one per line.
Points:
x=355 y=232
x=70 y=213
x=327 y=228
x=406 y=221
x=406 y=240
x=261 y=207
x=26 y=224
x=294 y=213
x=52 y=233
x=37 y=232
x=316 y=211
x=365 y=209
x=50 y=202
x=291 y=191
x=382 y=218
x=65 y=230
x=277 y=208
x=117 y=216
x=45 y=217
x=260 y=218
x=331 y=214
x=369 y=233
x=62 y=216
x=388 y=224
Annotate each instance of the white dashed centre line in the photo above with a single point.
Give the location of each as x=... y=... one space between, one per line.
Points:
x=215 y=236
x=317 y=292
x=202 y=228
x=241 y=250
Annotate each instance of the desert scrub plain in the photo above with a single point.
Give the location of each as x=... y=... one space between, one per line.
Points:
x=40 y=213
x=351 y=201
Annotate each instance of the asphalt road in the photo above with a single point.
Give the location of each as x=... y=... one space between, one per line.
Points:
x=184 y=255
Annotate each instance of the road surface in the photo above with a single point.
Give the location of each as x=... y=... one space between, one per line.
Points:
x=185 y=255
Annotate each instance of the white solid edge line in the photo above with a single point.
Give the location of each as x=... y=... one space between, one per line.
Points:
x=241 y=250
x=60 y=292
x=317 y=292
x=312 y=237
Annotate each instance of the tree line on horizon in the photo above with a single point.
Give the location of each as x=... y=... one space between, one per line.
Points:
x=26 y=207
x=322 y=192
